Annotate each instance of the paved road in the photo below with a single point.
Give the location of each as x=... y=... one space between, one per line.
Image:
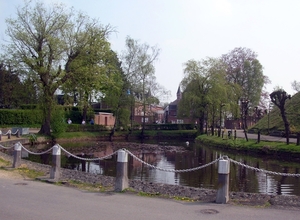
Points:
x=241 y=134
x=32 y=200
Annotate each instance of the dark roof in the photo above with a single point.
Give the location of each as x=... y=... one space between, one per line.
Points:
x=174 y=102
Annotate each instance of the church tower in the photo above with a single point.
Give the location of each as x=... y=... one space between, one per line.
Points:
x=179 y=94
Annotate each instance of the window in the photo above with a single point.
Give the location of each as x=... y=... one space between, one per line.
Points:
x=179 y=121
x=146 y=119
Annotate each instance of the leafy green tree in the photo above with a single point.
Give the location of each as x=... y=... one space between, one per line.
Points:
x=9 y=81
x=43 y=39
x=90 y=71
x=13 y=91
x=245 y=70
x=138 y=66
x=205 y=90
x=118 y=95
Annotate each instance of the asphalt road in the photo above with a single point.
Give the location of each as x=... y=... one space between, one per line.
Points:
x=32 y=200
x=241 y=134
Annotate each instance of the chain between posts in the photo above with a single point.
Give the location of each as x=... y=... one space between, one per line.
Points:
x=88 y=159
x=163 y=169
x=262 y=170
x=6 y=147
x=172 y=170
x=30 y=152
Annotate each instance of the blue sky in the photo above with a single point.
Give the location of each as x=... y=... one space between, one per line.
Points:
x=196 y=29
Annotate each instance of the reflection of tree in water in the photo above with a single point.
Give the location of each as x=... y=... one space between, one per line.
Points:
x=241 y=178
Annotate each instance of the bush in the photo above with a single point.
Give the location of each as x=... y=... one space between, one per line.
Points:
x=58 y=122
x=20 y=117
x=86 y=127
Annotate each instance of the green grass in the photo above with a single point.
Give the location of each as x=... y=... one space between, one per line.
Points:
x=3 y=163
x=274 y=122
x=82 y=134
x=85 y=186
x=32 y=174
x=250 y=145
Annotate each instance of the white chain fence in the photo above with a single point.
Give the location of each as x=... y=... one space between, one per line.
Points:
x=34 y=153
x=264 y=171
x=160 y=168
x=6 y=148
x=9 y=132
x=88 y=159
x=172 y=170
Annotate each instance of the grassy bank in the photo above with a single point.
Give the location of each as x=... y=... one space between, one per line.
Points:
x=240 y=144
x=184 y=134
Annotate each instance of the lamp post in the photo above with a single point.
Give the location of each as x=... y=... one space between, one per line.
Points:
x=219 y=132
x=244 y=113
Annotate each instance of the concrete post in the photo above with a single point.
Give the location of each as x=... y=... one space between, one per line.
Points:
x=8 y=134
x=17 y=155
x=83 y=163
x=223 y=182
x=0 y=135
x=56 y=162
x=122 y=171
x=18 y=133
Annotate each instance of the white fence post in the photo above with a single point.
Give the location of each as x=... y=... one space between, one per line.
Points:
x=223 y=182
x=56 y=162
x=17 y=155
x=122 y=171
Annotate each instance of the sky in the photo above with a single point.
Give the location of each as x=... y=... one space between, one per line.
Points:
x=197 y=29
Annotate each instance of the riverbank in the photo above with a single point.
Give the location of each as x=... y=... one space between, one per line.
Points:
x=73 y=178
x=266 y=146
x=102 y=183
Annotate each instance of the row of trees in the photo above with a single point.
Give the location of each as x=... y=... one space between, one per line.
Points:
x=215 y=84
x=53 y=48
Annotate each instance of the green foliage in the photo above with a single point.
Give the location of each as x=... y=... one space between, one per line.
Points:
x=251 y=145
x=44 y=38
x=29 y=106
x=204 y=90
x=58 y=122
x=13 y=91
x=86 y=127
x=244 y=69
x=273 y=121
x=83 y=135
x=169 y=127
x=20 y=117
x=75 y=116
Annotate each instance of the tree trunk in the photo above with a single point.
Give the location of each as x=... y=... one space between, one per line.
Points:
x=286 y=125
x=47 y=110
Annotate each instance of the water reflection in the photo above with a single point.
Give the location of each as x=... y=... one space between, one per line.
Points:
x=241 y=178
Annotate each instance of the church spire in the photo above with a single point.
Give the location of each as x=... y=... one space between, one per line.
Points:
x=179 y=94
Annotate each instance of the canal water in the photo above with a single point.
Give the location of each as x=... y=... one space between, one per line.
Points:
x=241 y=179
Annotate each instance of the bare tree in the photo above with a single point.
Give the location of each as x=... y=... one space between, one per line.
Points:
x=279 y=98
x=296 y=86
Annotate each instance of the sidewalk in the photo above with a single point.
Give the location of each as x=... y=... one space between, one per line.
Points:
x=31 y=200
